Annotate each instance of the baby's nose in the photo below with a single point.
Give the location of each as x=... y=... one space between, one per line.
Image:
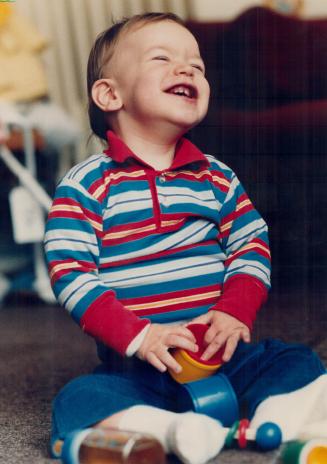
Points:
x=184 y=68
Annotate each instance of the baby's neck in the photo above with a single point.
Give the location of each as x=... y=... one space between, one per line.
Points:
x=157 y=154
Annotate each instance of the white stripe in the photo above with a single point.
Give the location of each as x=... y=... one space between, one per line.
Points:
x=168 y=200
x=195 y=233
x=218 y=165
x=90 y=160
x=62 y=244
x=85 y=167
x=84 y=285
x=249 y=267
x=204 y=195
x=231 y=192
x=70 y=234
x=126 y=206
x=172 y=276
x=122 y=197
x=242 y=235
x=73 y=184
x=164 y=272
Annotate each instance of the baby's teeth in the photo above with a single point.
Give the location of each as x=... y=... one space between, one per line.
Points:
x=183 y=90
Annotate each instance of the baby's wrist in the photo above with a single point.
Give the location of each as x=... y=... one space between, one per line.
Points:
x=135 y=345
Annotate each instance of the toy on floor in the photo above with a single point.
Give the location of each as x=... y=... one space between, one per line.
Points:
x=267 y=437
x=100 y=445
x=194 y=368
x=313 y=451
x=97 y=445
x=213 y=396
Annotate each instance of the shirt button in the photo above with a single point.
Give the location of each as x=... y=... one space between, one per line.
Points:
x=164 y=201
x=162 y=178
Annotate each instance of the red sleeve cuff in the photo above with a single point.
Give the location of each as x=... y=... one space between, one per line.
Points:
x=242 y=297
x=107 y=320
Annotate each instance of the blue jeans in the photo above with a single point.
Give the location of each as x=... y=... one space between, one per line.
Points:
x=256 y=371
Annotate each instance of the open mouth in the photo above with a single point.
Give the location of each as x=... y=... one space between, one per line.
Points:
x=183 y=90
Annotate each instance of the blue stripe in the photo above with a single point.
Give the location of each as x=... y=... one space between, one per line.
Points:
x=238 y=270
x=70 y=224
x=154 y=239
x=164 y=288
x=174 y=316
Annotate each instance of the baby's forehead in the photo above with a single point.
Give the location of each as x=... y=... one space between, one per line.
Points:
x=160 y=34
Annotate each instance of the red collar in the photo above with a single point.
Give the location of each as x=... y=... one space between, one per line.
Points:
x=186 y=152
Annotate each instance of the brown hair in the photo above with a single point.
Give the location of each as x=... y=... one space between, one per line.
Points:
x=101 y=53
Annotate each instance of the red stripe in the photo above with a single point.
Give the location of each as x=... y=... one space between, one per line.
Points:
x=174 y=307
x=100 y=182
x=67 y=214
x=127 y=227
x=235 y=214
x=72 y=215
x=128 y=178
x=205 y=176
x=226 y=232
x=261 y=242
x=57 y=275
x=224 y=188
x=69 y=202
x=256 y=250
x=83 y=266
x=133 y=235
x=171 y=295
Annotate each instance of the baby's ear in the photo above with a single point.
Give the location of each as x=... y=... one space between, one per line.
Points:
x=105 y=95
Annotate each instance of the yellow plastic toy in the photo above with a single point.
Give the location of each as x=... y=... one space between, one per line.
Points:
x=306 y=452
x=193 y=367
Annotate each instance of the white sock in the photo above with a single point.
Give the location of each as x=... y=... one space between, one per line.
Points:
x=314 y=430
x=194 y=438
x=295 y=412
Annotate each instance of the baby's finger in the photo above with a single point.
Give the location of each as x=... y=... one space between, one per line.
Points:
x=155 y=362
x=214 y=346
x=246 y=336
x=167 y=359
x=184 y=332
x=231 y=345
x=211 y=334
x=177 y=341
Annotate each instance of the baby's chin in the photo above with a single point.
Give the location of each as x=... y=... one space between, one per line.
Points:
x=188 y=125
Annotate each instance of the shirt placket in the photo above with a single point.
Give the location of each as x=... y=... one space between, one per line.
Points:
x=157 y=178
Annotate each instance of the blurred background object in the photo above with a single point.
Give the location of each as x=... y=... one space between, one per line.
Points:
x=268 y=121
x=37 y=132
x=289 y=7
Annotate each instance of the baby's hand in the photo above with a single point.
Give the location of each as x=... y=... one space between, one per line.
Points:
x=224 y=329
x=159 y=339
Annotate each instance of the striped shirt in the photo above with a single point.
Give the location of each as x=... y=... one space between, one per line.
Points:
x=127 y=244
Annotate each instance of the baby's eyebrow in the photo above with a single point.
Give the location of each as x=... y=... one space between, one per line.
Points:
x=158 y=47
x=169 y=49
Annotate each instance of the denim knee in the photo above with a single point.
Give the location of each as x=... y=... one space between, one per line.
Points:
x=84 y=401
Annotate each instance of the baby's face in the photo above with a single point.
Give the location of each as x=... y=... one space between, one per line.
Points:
x=160 y=76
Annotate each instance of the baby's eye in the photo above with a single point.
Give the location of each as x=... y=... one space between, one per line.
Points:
x=161 y=58
x=199 y=67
